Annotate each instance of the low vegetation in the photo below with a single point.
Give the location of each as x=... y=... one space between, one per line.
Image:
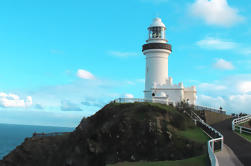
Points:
x=195 y=134
x=246 y=136
x=201 y=160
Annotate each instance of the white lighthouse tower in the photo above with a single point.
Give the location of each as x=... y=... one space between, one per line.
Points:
x=158 y=86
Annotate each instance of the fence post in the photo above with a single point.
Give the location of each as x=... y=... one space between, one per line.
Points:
x=240 y=129
x=213 y=146
x=222 y=143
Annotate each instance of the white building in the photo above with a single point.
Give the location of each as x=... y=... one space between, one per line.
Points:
x=157 y=83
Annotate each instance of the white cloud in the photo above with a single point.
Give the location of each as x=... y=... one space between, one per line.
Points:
x=223 y=65
x=244 y=86
x=212 y=87
x=84 y=74
x=122 y=54
x=12 y=100
x=67 y=105
x=214 y=43
x=240 y=103
x=93 y=103
x=215 y=12
x=231 y=104
x=97 y=92
x=209 y=101
x=129 y=96
x=233 y=93
x=218 y=44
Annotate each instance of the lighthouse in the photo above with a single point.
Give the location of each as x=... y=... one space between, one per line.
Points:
x=158 y=85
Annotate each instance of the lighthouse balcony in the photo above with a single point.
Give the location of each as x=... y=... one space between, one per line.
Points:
x=157 y=46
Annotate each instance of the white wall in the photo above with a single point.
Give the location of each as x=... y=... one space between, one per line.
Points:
x=156 y=69
x=190 y=93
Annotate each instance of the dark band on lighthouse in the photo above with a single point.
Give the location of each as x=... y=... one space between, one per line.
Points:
x=157 y=46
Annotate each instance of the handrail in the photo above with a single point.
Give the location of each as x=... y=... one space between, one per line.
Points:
x=239 y=120
x=165 y=101
x=211 y=143
x=199 y=107
x=132 y=100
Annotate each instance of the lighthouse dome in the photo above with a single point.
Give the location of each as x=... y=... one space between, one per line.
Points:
x=157 y=23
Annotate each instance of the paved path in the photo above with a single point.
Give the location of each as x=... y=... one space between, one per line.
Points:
x=226 y=157
x=240 y=146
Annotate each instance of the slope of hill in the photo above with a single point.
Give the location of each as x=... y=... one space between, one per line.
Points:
x=116 y=133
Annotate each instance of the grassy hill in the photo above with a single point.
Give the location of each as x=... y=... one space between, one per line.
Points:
x=134 y=132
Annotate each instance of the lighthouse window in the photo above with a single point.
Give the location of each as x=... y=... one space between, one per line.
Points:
x=156 y=32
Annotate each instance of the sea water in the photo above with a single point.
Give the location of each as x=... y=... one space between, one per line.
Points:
x=13 y=135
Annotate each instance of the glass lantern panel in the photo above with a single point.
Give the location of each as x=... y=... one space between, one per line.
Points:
x=156 y=33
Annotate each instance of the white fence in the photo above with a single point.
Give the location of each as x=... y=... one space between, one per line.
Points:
x=133 y=100
x=163 y=101
x=236 y=124
x=211 y=132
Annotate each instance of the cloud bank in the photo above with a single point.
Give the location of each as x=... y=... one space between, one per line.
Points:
x=67 y=105
x=13 y=100
x=215 y=12
x=218 y=44
x=232 y=93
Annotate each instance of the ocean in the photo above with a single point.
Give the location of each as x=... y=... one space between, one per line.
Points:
x=13 y=135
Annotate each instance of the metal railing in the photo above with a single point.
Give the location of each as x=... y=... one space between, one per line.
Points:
x=133 y=100
x=164 y=101
x=215 y=143
x=198 y=107
x=236 y=124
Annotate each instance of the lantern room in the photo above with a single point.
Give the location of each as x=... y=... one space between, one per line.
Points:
x=156 y=31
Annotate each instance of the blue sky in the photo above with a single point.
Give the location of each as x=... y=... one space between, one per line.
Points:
x=62 y=60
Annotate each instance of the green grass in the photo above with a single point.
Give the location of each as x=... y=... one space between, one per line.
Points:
x=244 y=124
x=245 y=135
x=195 y=161
x=194 y=134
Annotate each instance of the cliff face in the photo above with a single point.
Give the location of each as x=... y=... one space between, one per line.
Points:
x=118 y=132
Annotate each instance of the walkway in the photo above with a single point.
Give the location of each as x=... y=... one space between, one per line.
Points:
x=240 y=146
x=226 y=157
